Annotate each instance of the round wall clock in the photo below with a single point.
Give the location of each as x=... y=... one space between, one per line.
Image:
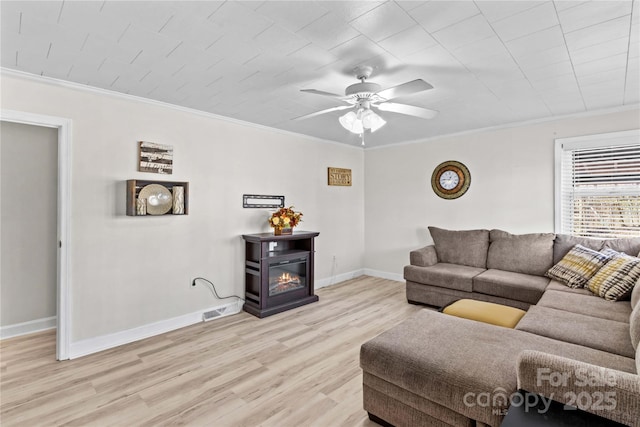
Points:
x=450 y=180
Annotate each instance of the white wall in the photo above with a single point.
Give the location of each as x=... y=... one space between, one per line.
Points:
x=511 y=185
x=28 y=266
x=132 y=271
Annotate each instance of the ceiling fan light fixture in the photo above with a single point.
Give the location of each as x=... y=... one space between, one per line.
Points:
x=371 y=120
x=362 y=120
x=351 y=122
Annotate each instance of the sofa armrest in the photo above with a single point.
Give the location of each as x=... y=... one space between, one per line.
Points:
x=423 y=257
x=605 y=392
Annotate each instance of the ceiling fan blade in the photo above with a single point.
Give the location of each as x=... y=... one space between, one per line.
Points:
x=410 y=110
x=407 y=88
x=323 y=93
x=328 y=110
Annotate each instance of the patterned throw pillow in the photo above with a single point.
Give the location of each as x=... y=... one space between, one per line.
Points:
x=579 y=265
x=616 y=279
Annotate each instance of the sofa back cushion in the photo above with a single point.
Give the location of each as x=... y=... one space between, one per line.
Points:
x=629 y=246
x=464 y=247
x=565 y=242
x=521 y=253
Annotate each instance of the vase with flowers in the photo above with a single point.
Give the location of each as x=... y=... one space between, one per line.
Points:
x=283 y=220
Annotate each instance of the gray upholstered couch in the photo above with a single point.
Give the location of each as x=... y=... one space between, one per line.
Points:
x=493 y=266
x=440 y=370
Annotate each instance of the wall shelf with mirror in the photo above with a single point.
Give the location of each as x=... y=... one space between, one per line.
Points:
x=153 y=198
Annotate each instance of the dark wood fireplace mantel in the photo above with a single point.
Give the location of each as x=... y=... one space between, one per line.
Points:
x=278 y=272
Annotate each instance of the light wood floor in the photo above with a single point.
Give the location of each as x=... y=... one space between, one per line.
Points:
x=298 y=368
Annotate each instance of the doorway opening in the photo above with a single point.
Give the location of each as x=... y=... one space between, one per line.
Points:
x=62 y=223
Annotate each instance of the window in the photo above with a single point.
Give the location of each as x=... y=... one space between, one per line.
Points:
x=597 y=184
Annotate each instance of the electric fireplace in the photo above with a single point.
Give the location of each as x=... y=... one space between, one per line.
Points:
x=278 y=272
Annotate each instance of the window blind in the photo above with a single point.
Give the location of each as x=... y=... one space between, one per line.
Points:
x=600 y=189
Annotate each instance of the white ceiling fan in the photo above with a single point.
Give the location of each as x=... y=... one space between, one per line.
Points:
x=361 y=97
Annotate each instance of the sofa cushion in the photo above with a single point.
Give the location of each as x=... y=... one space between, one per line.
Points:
x=523 y=253
x=451 y=276
x=600 y=334
x=465 y=247
x=629 y=246
x=578 y=266
x=564 y=242
x=506 y=284
x=440 y=297
x=443 y=358
x=587 y=304
x=554 y=285
x=615 y=281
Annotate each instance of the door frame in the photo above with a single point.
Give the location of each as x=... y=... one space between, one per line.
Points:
x=63 y=315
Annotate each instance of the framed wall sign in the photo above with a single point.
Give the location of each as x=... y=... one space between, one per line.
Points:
x=262 y=202
x=339 y=176
x=156 y=158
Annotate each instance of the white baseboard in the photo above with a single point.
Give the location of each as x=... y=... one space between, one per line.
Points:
x=29 y=327
x=330 y=281
x=384 y=275
x=334 y=280
x=104 y=342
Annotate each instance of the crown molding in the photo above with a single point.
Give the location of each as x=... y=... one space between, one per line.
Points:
x=134 y=98
x=512 y=125
x=111 y=93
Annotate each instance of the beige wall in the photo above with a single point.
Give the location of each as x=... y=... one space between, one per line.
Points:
x=28 y=268
x=511 y=185
x=128 y=271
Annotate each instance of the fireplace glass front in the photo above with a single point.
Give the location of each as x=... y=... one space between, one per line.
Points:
x=287 y=276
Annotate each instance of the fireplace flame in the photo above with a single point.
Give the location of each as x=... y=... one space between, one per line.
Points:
x=284 y=282
x=288 y=278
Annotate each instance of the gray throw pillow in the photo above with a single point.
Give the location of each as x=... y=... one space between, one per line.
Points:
x=521 y=253
x=464 y=247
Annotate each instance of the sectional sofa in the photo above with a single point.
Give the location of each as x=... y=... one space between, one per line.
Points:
x=440 y=370
x=494 y=266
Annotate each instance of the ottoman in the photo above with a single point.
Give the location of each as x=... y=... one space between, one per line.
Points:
x=486 y=312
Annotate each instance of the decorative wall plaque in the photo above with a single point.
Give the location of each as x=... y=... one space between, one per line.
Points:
x=339 y=176
x=156 y=158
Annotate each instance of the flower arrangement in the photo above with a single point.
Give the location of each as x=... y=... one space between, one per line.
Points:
x=285 y=218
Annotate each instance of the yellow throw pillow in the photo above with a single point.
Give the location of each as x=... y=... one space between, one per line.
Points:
x=616 y=279
x=579 y=265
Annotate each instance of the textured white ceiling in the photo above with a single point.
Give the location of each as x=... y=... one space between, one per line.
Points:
x=490 y=62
